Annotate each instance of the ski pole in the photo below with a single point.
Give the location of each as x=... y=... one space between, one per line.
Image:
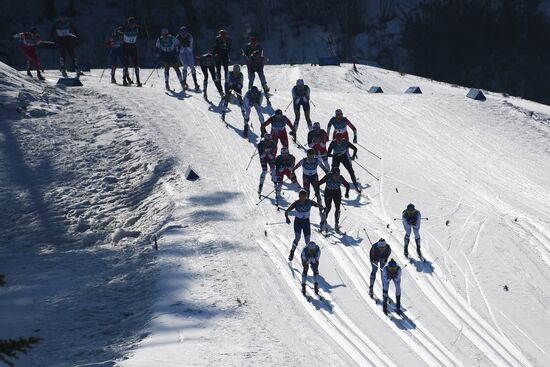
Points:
x=312 y=103
x=423 y=218
x=266 y=196
x=152 y=71
x=366 y=170
x=253 y=155
x=367 y=236
x=288 y=105
x=274 y=223
x=377 y=156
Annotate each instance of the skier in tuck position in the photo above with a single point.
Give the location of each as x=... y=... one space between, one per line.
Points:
x=234 y=83
x=317 y=139
x=302 y=208
x=222 y=50
x=278 y=130
x=300 y=98
x=187 y=59
x=167 y=56
x=64 y=39
x=114 y=44
x=338 y=150
x=283 y=167
x=129 y=51
x=379 y=254
x=207 y=64
x=29 y=41
x=267 y=151
x=392 y=271
x=340 y=124
x=255 y=64
x=411 y=219
x=333 y=181
x=252 y=98
x=309 y=170
x=310 y=257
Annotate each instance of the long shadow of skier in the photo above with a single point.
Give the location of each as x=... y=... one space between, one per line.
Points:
x=181 y=95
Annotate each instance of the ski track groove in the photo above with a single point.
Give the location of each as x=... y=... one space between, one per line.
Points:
x=478 y=235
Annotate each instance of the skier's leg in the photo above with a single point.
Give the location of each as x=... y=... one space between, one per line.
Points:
x=225 y=66
x=347 y=164
x=284 y=138
x=70 y=51
x=337 y=202
x=306 y=115
x=261 y=75
x=305 y=266
x=407 y=238
x=260 y=116
x=417 y=240
x=251 y=77
x=307 y=231
x=296 y=117
x=135 y=62
x=125 y=63
x=166 y=67
x=183 y=64
x=262 y=175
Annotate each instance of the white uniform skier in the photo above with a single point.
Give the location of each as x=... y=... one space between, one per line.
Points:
x=392 y=271
x=187 y=58
x=310 y=257
x=252 y=98
x=411 y=221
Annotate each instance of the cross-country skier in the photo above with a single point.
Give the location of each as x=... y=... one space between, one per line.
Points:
x=114 y=44
x=302 y=208
x=252 y=46
x=338 y=150
x=255 y=64
x=278 y=130
x=267 y=151
x=333 y=180
x=379 y=254
x=252 y=98
x=411 y=219
x=309 y=170
x=61 y=33
x=317 y=140
x=234 y=82
x=187 y=58
x=207 y=64
x=129 y=51
x=310 y=257
x=283 y=167
x=300 y=98
x=222 y=50
x=340 y=124
x=167 y=56
x=390 y=272
x=29 y=41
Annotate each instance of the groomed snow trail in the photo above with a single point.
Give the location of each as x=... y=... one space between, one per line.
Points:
x=472 y=168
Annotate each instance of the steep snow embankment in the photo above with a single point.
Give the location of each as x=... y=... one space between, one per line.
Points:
x=81 y=191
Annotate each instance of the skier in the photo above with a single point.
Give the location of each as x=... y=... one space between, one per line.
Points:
x=333 y=181
x=302 y=207
x=234 y=82
x=252 y=98
x=255 y=64
x=310 y=256
x=379 y=254
x=309 y=170
x=114 y=44
x=252 y=46
x=29 y=41
x=61 y=34
x=222 y=50
x=278 y=131
x=166 y=53
x=390 y=272
x=411 y=219
x=338 y=150
x=267 y=151
x=283 y=167
x=185 y=40
x=317 y=139
x=300 y=97
x=129 y=51
x=207 y=63
x=340 y=124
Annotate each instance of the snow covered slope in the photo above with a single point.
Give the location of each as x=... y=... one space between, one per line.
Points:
x=226 y=295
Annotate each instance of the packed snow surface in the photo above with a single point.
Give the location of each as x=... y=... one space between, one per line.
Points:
x=100 y=170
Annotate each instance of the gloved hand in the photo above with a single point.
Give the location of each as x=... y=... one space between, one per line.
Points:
x=263 y=132
x=354 y=156
x=287 y=220
x=347 y=194
x=355 y=139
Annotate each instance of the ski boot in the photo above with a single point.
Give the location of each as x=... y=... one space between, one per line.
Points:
x=40 y=76
x=29 y=73
x=245 y=131
x=304 y=289
x=398 y=304
x=125 y=83
x=260 y=189
x=357 y=188
x=316 y=288
x=385 y=305
x=64 y=73
x=113 y=80
x=185 y=86
x=167 y=86
x=371 y=292
x=291 y=256
x=266 y=88
x=139 y=83
x=418 y=251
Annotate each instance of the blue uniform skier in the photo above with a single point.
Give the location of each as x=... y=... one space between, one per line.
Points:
x=379 y=254
x=310 y=257
x=411 y=221
x=167 y=55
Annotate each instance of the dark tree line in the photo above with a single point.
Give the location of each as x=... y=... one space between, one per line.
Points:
x=499 y=45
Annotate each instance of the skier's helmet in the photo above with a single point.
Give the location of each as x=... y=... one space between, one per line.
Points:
x=267 y=136
x=256 y=53
x=335 y=170
x=62 y=15
x=236 y=68
x=392 y=266
x=316 y=125
x=311 y=247
x=222 y=32
x=310 y=152
x=254 y=89
x=34 y=31
x=132 y=20
x=300 y=82
x=338 y=112
x=382 y=243
x=164 y=32
x=278 y=112
x=302 y=192
x=183 y=29
x=284 y=151
x=252 y=39
x=410 y=208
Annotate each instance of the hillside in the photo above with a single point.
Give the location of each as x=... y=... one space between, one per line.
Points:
x=220 y=290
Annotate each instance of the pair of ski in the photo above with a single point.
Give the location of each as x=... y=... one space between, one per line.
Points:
x=324 y=227
x=420 y=258
x=277 y=205
x=309 y=297
x=389 y=311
